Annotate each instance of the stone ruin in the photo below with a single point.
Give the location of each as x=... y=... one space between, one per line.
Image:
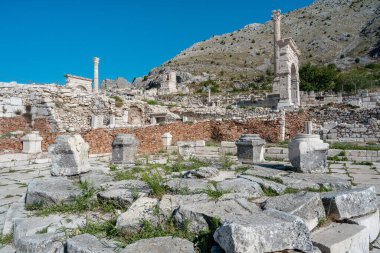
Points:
x=307 y=152
x=286 y=53
x=124 y=149
x=69 y=155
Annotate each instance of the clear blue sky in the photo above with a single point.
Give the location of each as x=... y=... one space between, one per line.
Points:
x=41 y=40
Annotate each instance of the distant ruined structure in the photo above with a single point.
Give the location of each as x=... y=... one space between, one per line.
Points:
x=78 y=82
x=85 y=84
x=286 y=53
x=169 y=86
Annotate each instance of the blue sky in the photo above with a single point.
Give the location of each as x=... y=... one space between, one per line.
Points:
x=41 y=40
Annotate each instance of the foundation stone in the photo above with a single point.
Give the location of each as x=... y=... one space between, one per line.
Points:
x=124 y=149
x=250 y=148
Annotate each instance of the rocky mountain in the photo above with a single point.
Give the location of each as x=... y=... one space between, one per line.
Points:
x=343 y=32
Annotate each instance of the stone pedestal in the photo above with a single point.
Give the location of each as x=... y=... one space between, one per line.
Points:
x=31 y=143
x=69 y=155
x=166 y=139
x=250 y=148
x=124 y=149
x=308 y=153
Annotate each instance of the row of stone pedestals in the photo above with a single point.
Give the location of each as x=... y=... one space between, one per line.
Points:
x=307 y=152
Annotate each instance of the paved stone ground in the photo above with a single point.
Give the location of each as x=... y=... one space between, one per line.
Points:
x=13 y=180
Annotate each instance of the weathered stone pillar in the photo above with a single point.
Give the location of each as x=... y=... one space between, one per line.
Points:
x=31 y=143
x=308 y=153
x=124 y=149
x=69 y=155
x=96 y=75
x=209 y=96
x=276 y=17
x=308 y=127
x=250 y=148
x=283 y=125
x=166 y=139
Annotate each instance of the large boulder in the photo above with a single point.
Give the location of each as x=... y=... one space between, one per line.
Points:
x=69 y=155
x=160 y=245
x=86 y=243
x=306 y=205
x=267 y=231
x=350 y=203
x=51 y=191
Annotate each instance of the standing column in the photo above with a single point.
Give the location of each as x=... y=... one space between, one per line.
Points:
x=209 y=95
x=277 y=36
x=283 y=125
x=96 y=75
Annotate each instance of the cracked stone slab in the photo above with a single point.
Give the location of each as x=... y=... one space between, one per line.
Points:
x=268 y=231
x=160 y=245
x=86 y=243
x=277 y=187
x=51 y=191
x=306 y=205
x=350 y=203
x=342 y=238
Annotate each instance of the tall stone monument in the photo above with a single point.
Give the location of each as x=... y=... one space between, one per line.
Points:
x=69 y=155
x=124 y=149
x=286 y=54
x=96 y=75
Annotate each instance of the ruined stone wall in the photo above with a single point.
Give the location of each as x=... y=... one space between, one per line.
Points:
x=65 y=109
x=351 y=124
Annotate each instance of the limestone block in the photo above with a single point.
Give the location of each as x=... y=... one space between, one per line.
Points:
x=276 y=187
x=202 y=172
x=169 y=203
x=191 y=185
x=342 y=238
x=8 y=249
x=306 y=205
x=186 y=148
x=166 y=139
x=69 y=155
x=124 y=149
x=51 y=191
x=250 y=149
x=228 y=147
x=371 y=222
x=86 y=243
x=141 y=209
x=38 y=243
x=350 y=203
x=160 y=245
x=31 y=143
x=97 y=121
x=241 y=185
x=308 y=153
x=269 y=231
x=201 y=214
